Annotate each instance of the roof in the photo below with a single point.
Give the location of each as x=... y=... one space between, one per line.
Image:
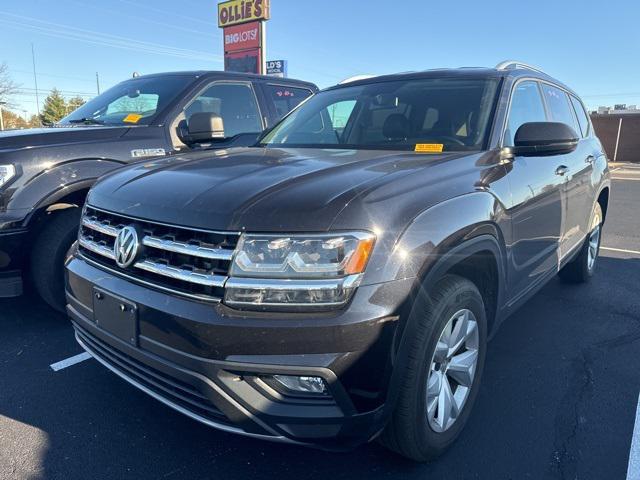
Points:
x=518 y=70
x=234 y=75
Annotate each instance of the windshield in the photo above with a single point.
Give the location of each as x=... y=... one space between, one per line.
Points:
x=435 y=114
x=134 y=102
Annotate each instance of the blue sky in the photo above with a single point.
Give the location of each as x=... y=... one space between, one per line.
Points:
x=592 y=46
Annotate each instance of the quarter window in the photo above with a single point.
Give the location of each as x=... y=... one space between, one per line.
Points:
x=560 y=109
x=286 y=99
x=526 y=106
x=235 y=103
x=583 y=119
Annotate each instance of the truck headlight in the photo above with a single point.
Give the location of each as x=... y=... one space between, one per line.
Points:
x=7 y=172
x=297 y=270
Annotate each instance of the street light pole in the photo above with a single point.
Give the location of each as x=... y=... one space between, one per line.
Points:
x=1 y=118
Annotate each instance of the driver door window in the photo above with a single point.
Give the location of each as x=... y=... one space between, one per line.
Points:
x=235 y=103
x=526 y=106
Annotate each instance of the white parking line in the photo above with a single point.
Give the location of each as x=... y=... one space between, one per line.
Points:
x=634 y=252
x=633 y=468
x=67 y=362
x=625 y=178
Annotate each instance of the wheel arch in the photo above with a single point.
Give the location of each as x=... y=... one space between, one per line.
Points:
x=63 y=186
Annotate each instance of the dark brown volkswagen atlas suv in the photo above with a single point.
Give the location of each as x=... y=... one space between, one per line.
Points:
x=337 y=282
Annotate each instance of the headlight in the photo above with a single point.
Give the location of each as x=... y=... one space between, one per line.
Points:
x=7 y=172
x=297 y=270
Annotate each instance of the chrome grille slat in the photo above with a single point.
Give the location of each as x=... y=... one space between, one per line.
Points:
x=95 y=247
x=178 y=273
x=186 y=261
x=187 y=249
x=100 y=227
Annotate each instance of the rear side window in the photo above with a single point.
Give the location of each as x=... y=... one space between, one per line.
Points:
x=285 y=98
x=560 y=109
x=583 y=119
x=526 y=106
x=234 y=102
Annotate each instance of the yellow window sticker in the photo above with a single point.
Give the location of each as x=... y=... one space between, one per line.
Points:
x=429 y=147
x=132 y=118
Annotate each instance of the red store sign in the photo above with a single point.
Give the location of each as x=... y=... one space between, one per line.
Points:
x=242 y=37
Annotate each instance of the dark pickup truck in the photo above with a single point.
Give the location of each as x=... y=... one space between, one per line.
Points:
x=337 y=282
x=45 y=173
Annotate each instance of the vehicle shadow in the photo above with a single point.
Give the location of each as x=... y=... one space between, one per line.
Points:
x=538 y=413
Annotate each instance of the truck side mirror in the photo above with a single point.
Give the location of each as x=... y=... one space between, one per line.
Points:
x=204 y=127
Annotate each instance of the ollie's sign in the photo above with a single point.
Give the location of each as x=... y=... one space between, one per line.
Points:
x=242 y=37
x=235 y=12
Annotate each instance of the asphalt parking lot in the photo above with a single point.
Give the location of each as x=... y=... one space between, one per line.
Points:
x=558 y=399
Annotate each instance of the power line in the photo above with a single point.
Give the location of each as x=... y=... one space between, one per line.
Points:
x=166 y=12
x=97 y=38
x=40 y=74
x=148 y=20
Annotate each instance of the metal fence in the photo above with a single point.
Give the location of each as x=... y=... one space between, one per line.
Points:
x=620 y=135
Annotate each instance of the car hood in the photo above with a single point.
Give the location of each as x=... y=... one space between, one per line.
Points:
x=252 y=188
x=40 y=137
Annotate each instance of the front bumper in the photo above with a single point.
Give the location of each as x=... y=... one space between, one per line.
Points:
x=13 y=247
x=208 y=361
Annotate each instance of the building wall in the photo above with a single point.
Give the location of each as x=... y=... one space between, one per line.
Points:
x=606 y=127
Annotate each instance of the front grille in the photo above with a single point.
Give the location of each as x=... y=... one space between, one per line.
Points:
x=177 y=392
x=186 y=261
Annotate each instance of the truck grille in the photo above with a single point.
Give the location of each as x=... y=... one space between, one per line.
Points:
x=189 y=262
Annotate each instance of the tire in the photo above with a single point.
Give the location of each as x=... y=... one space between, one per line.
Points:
x=582 y=268
x=48 y=254
x=411 y=432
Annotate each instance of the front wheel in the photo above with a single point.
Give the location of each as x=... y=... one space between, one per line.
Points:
x=48 y=253
x=441 y=381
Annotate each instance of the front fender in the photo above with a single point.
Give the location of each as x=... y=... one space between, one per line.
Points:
x=57 y=182
x=437 y=231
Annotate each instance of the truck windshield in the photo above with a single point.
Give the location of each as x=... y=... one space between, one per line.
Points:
x=133 y=102
x=433 y=114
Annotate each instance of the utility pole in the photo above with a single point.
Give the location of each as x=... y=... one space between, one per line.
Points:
x=98 y=83
x=35 y=78
x=1 y=119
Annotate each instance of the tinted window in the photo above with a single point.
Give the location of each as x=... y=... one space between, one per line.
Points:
x=582 y=115
x=234 y=102
x=134 y=102
x=452 y=113
x=526 y=106
x=285 y=98
x=560 y=109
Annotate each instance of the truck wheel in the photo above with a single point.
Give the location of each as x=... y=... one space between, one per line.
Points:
x=442 y=378
x=582 y=268
x=47 y=256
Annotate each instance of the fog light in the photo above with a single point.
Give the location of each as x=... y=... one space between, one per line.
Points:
x=302 y=384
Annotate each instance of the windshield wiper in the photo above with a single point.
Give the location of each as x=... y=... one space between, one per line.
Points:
x=87 y=121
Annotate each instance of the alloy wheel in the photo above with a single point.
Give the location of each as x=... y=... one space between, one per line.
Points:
x=452 y=370
x=594 y=243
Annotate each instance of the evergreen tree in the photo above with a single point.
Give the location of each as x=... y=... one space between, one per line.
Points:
x=55 y=107
x=75 y=103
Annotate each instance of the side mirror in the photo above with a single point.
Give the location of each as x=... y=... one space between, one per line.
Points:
x=544 y=138
x=204 y=127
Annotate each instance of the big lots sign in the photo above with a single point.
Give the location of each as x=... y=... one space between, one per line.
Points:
x=242 y=37
x=234 y=12
x=242 y=22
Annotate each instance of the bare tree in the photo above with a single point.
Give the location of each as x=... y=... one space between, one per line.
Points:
x=7 y=86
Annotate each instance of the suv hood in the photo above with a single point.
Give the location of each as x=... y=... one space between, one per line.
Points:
x=39 y=137
x=252 y=188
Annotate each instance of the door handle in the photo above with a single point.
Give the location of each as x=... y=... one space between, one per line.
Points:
x=590 y=159
x=562 y=170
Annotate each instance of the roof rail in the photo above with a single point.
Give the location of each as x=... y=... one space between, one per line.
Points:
x=355 y=78
x=512 y=64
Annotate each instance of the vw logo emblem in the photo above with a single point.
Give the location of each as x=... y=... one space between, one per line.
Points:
x=125 y=248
